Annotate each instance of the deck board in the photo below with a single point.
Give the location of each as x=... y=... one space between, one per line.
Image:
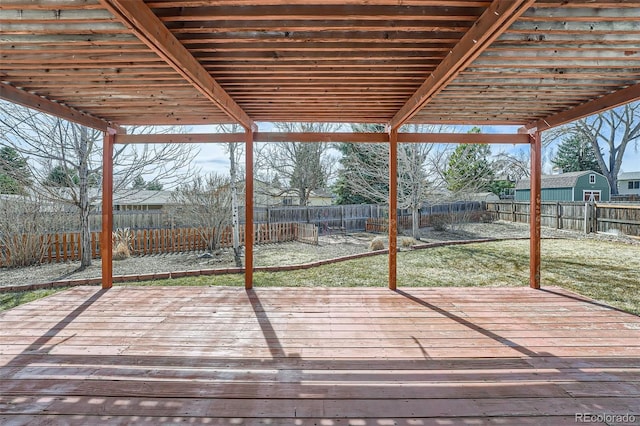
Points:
x=224 y=356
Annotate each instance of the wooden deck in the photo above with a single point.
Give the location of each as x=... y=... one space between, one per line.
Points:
x=316 y=356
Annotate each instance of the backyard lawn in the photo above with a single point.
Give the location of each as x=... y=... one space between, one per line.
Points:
x=605 y=271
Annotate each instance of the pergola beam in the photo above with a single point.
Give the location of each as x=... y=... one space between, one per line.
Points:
x=620 y=97
x=489 y=26
x=393 y=208
x=137 y=16
x=29 y=100
x=486 y=138
x=248 y=211
x=106 y=237
x=535 y=206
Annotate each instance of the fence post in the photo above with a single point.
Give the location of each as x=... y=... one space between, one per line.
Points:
x=586 y=218
x=594 y=218
x=557 y=215
x=514 y=217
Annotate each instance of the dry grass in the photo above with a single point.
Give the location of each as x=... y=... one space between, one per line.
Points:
x=122 y=239
x=406 y=242
x=377 y=244
x=121 y=251
x=604 y=271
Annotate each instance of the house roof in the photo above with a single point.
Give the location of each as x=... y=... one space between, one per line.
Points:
x=563 y=180
x=134 y=197
x=629 y=176
x=321 y=193
x=117 y=62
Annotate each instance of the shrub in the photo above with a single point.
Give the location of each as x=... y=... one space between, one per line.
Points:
x=24 y=222
x=439 y=222
x=376 y=244
x=122 y=243
x=121 y=251
x=407 y=242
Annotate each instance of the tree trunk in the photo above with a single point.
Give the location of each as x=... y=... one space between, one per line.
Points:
x=83 y=199
x=235 y=223
x=415 y=222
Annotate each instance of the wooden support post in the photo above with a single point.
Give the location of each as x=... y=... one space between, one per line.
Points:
x=535 y=210
x=586 y=218
x=393 y=207
x=106 y=243
x=248 y=212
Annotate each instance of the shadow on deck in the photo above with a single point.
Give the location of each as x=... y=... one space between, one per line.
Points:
x=321 y=356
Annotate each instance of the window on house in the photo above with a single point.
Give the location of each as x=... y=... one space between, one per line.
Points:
x=630 y=185
x=592 y=179
x=636 y=184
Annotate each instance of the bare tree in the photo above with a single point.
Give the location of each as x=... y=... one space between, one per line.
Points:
x=304 y=166
x=205 y=202
x=513 y=166
x=24 y=221
x=610 y=134
x=365 y=171
x=52 y=144
x=235 y=152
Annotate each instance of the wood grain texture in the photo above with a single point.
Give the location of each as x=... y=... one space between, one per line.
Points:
x=352 y=356
x=200 y=62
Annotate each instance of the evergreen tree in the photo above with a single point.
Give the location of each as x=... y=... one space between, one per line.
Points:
x=61 y=177
x=154 y=186
x=356 y=157
x=13 y=171
x=138 y=183
x=576 y=154
x=469 y=169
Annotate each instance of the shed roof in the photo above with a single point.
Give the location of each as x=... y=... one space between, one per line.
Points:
x=117 y=62
x=564 y=180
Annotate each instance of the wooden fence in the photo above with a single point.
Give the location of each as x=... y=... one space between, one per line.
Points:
x=348 y=217
x=326 y=218
x=577 y=216
x=64 y=247
x=431 y=215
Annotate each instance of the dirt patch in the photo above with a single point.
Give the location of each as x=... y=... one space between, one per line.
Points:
x=291 y=253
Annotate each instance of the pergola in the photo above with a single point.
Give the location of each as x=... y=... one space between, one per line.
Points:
x=109 y=63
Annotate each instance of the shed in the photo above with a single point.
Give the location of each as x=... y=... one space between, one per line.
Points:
x=629 y=183
x=573 y=186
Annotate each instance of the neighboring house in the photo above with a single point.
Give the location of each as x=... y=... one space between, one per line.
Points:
x=267 y=195
x=320 y=197
x=629 y=183
x=573 y=186
x=134 y=199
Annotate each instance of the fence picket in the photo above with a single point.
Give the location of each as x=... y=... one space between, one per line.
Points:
x=572 y=215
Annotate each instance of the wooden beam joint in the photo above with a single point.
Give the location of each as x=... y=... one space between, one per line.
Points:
x=138 y=17
x=39 y=103
x=612 y=100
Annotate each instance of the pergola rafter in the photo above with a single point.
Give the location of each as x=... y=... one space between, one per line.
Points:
x=493 y=22
x=104 y=63
x=151 y=31
x=41 y=104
